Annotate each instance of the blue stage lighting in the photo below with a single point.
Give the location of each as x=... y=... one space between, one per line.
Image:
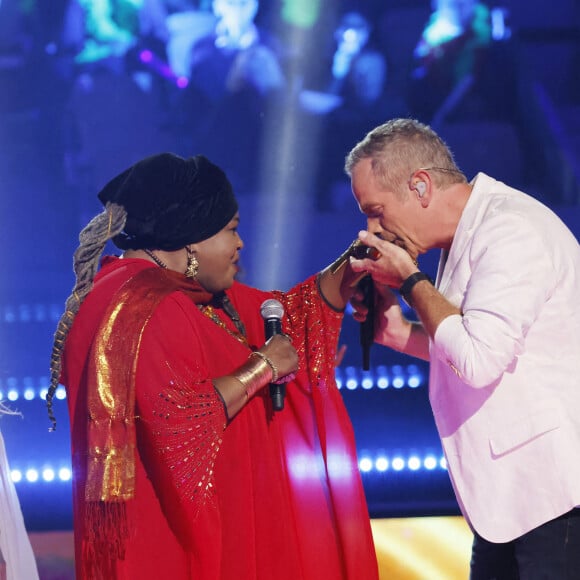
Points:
x=414 y=463
x=64 y=474
x=398 y=463
x=367 y=381
x=398 y=380
x=383 y=382
x=48 y=474
x=31 y=475
x=365 y=464
x=381 y=377
x=382 y=464
x=414 y=376
x=351 y=378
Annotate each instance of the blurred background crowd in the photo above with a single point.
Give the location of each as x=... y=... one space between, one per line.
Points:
x=98 y=83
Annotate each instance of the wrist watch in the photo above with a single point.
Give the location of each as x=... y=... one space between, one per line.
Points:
x=409 y=283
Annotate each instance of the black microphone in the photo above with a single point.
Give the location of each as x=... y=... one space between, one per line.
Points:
x=272 y=312
x=366 y=285
x=367 y=327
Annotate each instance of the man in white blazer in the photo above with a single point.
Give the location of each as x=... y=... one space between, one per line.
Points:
x=501 y=329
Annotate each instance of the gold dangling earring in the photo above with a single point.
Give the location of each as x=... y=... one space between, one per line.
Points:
x=192 y=264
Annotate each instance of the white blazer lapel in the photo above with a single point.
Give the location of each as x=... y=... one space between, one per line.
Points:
x=470 y=218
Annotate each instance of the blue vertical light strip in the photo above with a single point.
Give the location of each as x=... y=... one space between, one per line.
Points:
x=284 y=212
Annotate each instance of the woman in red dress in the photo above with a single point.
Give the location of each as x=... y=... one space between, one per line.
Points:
x=182 y=468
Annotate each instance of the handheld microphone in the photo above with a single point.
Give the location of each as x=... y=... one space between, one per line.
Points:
x=272 y=312
x=366 y=285
x=367 y=327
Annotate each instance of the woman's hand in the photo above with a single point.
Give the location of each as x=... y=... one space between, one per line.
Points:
x=281 y=352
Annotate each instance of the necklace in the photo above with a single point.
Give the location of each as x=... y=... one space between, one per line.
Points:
x=210 y=312
x=159 y=262
x=230 y=310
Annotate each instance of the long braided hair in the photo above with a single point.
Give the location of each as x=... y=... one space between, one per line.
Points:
x=93 y=239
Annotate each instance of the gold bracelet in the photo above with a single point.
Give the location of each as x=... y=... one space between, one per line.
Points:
x=253 y=375
x=244 y=386
x=269 y=363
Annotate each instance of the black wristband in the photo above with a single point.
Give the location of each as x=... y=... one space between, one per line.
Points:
x=409 y=283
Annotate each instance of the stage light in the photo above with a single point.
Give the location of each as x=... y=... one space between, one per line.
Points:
x=9 y=314
x=382 y=464
x=64 y=474
x=398 y=381
x=182 y=82
x=415 y=378
x=146 y=56
x=55 y=312
x=398 y=463
x=48 y=474
x=31 y=475
x=37 y=312
x=382 y=375
x=414 y=463
x=351 y=379
x=338 y=465
x=383 y=382
x=24 y=313
x=365 y=464
x=367 y=381
x=301 y=466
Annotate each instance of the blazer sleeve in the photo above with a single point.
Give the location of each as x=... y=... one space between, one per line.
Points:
x=504 y=278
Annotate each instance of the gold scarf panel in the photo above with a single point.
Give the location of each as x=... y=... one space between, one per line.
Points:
x=111 y=387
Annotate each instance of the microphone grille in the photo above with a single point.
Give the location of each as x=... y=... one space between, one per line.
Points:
x=271 y=308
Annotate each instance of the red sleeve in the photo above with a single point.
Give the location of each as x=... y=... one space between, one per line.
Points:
x=314 y=327
x=181 y=417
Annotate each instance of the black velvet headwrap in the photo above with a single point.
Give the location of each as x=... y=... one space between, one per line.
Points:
x=170 y=202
